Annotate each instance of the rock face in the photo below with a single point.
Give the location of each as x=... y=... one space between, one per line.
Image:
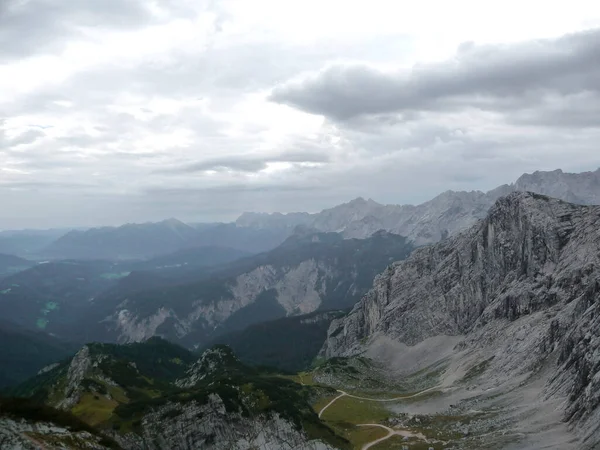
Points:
x=436 y=219
x=156 y=395
x=211 y=426
x=215 y=361
x=21 y=434
x=309 y=272
x=582 y=188
x=521 y=286
x=78 y=369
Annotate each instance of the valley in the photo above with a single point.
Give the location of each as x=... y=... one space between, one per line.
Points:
x=392 y=419
x=299 y=225
x=485 y=339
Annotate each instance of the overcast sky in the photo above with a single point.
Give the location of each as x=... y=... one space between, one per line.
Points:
x=117 y=111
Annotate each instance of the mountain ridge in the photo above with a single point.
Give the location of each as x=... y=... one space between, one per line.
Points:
x=154 y=395
x=445 y=214
x=514 y=297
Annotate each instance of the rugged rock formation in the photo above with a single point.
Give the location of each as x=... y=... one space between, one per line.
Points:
x=156 y=395
x=521 y=286
x=580 y=188
x=216 y=361
x=438 y=218
x=309 y=272
x=209 y=425
x=25 y=434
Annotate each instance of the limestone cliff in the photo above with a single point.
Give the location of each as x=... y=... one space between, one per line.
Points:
x=521 y=286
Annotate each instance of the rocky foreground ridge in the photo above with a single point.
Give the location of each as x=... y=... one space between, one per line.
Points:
x=156 y=395
x=519 y=294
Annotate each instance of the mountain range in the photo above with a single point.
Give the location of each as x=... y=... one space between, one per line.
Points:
x=510 y=307
x=429 y=222
x=155 y=395
x=470 y=321
x=308 y=272
x=446 y=214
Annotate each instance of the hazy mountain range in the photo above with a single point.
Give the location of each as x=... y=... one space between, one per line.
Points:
x=431 y=221
x=487 y=338
x=97 y=300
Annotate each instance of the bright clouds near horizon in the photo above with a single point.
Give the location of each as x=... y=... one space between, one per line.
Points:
x=115 y=112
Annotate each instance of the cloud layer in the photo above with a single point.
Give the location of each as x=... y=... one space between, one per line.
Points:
x=501 y=78
x=115 y=112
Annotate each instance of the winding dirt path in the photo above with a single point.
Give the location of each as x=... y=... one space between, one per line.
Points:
x=391 y=431
x=381 y=400
x=343 y=394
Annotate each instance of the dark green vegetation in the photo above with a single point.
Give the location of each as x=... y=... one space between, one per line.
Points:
x=121 y=384
x=345 y=270
x=190 y=260
x=10 y=264
x=246 y=392
x=290 y=344
x=23 y=353
x=141 y=370
x=265 y=308
x=73 y=299
x=148 y=240
x=27 y=243
x=355 y=261
x=53 y=296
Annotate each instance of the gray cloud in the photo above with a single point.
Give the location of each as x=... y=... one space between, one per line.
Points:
x=248 y=163
x=489 y=77
x=131 y=138
x=30 y=27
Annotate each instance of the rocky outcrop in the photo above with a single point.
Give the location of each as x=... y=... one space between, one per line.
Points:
x=310 y=271
x=445 y=215
x=580 y=188
x=523 y=285
x=216 y=361
x=23 y=434
x=157 y=395
x=76 y=372
x=209 y=425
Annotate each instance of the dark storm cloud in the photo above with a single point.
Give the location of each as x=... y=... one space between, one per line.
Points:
x=486 y=76
x=228 y=189
x=248 y=163
x=33 y=26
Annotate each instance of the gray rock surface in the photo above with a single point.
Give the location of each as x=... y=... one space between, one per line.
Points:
x=519 y=291
x=310 y=271
x=26 y=435
x=445 y=215
x=209 y=425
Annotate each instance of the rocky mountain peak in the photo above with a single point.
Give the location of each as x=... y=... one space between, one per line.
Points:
x=521 y=286
x=446 y=214
x=582 y=188
x=214 y=362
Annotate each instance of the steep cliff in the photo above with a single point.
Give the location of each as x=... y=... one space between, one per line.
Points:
x=518 y=292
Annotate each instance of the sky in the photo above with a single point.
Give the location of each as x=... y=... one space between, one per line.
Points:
x=130 y=111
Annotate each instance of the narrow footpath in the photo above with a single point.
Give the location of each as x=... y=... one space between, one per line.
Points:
x=391 y=431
